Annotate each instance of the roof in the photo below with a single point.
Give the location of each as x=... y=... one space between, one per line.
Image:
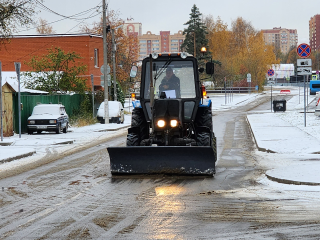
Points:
x=11 y=79
x=58 y=35
x=8 y=84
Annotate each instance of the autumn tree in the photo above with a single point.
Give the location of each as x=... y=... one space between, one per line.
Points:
x=218 y=41
x=43 y=27
x=127 y=47
x=241 y=50
x=14 y=14
x=56 y=71
x=195 y=33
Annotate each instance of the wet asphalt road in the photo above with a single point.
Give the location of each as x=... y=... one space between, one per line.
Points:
x=77 y=198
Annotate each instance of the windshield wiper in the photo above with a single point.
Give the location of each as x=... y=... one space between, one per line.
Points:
x=161 y=70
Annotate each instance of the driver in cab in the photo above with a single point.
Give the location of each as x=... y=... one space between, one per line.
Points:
x=170 y=82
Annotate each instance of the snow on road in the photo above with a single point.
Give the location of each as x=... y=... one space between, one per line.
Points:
x=281 y=132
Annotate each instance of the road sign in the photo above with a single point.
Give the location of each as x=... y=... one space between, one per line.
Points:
x=307 y=62
x=304 y=70
x=248 y=77
x=102 y=69
x=108 y=79
x=303 y=50
x=270 y=72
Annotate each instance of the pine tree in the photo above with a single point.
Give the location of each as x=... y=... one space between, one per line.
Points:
x=195 y=33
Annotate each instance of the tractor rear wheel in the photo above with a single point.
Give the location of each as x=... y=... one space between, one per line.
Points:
x=139 y=120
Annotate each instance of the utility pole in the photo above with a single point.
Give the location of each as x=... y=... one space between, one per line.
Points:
x=1 y=124
x=114 y=49
x=106 y=106
x=114 y=66
x=17 y=66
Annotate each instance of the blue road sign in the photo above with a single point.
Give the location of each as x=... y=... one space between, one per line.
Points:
x=303 y=50
x=270 y=72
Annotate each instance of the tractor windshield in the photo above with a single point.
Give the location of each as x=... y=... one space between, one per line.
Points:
x=173 y=79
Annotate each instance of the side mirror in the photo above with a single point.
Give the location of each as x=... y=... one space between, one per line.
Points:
x=133 y=72
x=210 y=68
x=201 y=70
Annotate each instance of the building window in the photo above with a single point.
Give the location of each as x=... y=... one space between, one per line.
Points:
x=174 y=40
x=96 y=57
x=143 y=41
x=155 y=40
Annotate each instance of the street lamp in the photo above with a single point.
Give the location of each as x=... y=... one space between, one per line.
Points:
x=114 y=63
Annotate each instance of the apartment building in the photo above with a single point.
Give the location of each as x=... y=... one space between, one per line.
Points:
x=131 y=27
x=314 y=32
x=164 y=42
x=281 y=38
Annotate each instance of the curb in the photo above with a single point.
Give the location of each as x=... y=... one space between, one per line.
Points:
x=17 y=157
x=285 y=181
x=5 y=143
x=112 y=130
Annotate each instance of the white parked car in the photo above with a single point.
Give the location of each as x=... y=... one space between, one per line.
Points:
x=48 y=117
x=116 y=112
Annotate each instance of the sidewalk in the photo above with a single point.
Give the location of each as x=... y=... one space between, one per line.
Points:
x=13 y=148
x=276 y=136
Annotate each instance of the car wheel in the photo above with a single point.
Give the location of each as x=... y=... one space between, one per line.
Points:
x=65 y=129
x=39 y=131
x=30 y=132
x=58 y=130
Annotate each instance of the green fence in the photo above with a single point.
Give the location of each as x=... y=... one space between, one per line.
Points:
x=71 y=103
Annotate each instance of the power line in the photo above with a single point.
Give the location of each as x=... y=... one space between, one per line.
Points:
x=72 y=16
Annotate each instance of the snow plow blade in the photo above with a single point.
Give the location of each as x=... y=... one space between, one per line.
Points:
x=174 y=160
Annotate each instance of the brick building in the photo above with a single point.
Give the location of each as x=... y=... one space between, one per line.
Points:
x=314 y=32
x=164 y=42
x=22 y=47
x=281 y=38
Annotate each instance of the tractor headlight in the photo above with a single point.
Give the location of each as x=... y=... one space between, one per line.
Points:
x=52 y=121
x=173 y=123
x=31 y=121
x=161 y=123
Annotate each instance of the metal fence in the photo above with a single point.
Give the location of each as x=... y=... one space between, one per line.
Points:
x=232 y=89
x=71 y=103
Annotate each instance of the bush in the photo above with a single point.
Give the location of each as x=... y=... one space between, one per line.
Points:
x=83 y=116
x=82 y=120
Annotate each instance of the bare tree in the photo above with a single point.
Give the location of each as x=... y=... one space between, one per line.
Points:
x=14 y=14
x=43 y=27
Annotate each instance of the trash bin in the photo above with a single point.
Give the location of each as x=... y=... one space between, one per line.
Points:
x=279 y=105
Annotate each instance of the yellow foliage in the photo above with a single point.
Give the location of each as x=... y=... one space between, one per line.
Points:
x=240 y=51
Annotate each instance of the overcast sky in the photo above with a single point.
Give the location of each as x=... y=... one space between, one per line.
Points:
x=170 y=15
